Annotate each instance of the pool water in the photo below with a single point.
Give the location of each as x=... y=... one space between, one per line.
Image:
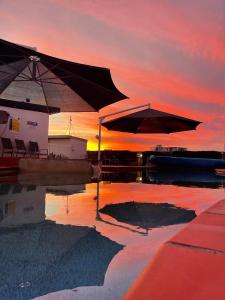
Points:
x=77 y=239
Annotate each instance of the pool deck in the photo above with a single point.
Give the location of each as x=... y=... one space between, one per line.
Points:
x=190 y=266
x=119 y=168
x=15 y=165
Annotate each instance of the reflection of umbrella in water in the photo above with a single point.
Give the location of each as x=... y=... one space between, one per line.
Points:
x=148 y=215
x=47 y=257
x=99 y=217
x=65 y=190
x=28 y=75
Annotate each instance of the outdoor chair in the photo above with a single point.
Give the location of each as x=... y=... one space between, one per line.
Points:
x=20 y=147
x=35 y=151
x=7 y=147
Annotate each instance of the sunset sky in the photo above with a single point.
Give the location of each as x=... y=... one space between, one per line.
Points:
x=170 y=53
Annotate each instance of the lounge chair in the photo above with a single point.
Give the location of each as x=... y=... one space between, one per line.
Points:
x=7 y=147
x=35 y=151
x=20 y=147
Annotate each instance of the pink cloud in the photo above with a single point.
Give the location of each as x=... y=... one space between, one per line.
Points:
x=199 y=30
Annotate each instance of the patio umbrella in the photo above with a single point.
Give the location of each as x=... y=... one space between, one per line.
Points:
x=28 y=75
x=4 y=116
x=151 y=121
x=48 y=257
x=148 y=215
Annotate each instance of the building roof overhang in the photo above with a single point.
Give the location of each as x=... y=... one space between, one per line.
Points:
x=29 y=106
x=69 y=137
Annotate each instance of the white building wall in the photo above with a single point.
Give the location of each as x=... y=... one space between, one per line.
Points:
x=60 y=147
x=79 y=149
x=27 y=132
x=68 y=148
x=23 y=206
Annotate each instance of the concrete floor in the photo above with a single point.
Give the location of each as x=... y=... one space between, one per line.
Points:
x=191 y=265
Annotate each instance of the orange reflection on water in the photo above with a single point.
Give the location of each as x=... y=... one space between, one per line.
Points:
x=82 y=206
x=81 y=209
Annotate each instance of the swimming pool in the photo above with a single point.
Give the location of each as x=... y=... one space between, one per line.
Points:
x=71 y=238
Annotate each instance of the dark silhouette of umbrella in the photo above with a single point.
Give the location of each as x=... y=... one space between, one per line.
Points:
x=4 y=115
x=65 y=190
x=28 y=75
x=151 y=121
x=41 y=258
x=148 y=215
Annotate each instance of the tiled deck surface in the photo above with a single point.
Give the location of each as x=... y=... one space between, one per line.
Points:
x=191 y=265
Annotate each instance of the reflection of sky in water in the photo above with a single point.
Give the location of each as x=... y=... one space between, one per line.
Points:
x=75 y=204
x=80 y=209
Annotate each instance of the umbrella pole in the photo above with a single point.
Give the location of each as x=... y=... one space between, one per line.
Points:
x=98 y=217
x=99 y=138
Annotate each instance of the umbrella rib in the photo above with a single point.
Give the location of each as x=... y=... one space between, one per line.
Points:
x=22 y=75
x=5 y=72
x=122 y=226
x=29 y=70
x=38 y=82
x=8 y=74
x=10 y=66
x=49 y=69
x=52 y=78
x=57 y=83
x=6 y=85
x=22 y=80
x=140 y=125
x=115 y=126
x=43 y=90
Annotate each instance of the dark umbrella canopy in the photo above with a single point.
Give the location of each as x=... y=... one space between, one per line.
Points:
x=151 y=121
x=148 y=215
x=26 y=73
x=42 y=258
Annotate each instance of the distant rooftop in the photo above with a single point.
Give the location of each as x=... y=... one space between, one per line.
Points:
x=65 y=137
